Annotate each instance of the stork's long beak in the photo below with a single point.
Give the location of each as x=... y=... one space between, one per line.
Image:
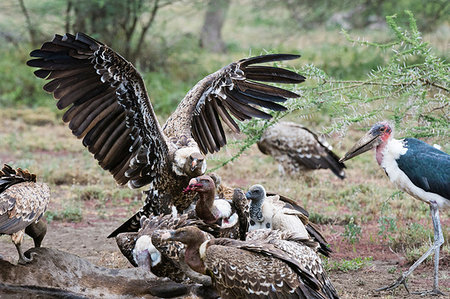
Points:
x=367 y=142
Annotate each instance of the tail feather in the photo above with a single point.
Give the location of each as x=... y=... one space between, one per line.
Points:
x=131 y=225
x=10 y=176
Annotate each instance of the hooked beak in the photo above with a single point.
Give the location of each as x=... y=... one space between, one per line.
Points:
x=248 y=195
x=367 y=142
x=191 y=186
x=168 y=235
x=197 y=163
x=194 y=164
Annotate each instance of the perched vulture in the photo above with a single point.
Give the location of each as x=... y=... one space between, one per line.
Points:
x=296 y=149
x=22 y=204
x=273 y=211
x=232 y=217
x=272 y=268
x=109 y=109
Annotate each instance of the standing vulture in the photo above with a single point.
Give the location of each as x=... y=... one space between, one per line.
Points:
x=110 y=110
x=22 y=204
x=296 y=148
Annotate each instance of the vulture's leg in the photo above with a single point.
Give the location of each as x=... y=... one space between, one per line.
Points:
x=17 y=239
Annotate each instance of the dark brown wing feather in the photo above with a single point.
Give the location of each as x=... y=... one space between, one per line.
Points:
x=109 y=106
x=301 y=250
x=234 y=92
x=256 y=270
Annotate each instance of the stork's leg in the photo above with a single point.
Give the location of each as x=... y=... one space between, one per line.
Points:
x=438 y=241
x=17 y=239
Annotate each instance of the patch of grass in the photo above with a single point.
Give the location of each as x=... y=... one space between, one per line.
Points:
x=347 y=265
x=387 y=223
x=71 y=213
x=352 y=231
x=91 y=192
x=320 y=218
x=412 y=236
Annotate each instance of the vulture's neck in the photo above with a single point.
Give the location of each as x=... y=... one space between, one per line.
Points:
x=204 y=206
x=192 y=256
x=256 y=210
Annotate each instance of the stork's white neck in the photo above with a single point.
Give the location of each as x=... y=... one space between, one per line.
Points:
x=387 y=152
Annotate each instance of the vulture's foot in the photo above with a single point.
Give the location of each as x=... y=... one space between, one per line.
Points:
x=23 y=260
x=433 y=292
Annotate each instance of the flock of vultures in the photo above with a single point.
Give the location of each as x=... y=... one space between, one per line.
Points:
x=193 y=228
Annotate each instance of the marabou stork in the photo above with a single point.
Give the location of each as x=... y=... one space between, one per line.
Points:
x=420 y=170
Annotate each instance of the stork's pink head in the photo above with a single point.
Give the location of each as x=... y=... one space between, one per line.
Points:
x=378 y=134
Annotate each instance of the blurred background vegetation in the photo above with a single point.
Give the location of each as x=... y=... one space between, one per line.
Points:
x=175 y=43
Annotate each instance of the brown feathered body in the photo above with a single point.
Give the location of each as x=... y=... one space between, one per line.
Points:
x=302 y=250
x=110 y=110
x=297 y=149
x=230 y=214
x=23 y=202
x=261 y=268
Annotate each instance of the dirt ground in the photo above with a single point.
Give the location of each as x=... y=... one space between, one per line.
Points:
x=87 y=239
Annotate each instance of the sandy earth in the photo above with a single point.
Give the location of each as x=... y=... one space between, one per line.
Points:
x=87 y=239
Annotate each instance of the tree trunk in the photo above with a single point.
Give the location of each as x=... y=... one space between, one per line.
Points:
x=30 y=27
x=211 y=37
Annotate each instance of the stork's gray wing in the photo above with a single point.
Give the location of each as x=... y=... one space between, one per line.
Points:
x=109 y=106
x=234 y=91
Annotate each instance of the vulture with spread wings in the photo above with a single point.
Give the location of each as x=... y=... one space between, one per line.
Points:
x=110 y=110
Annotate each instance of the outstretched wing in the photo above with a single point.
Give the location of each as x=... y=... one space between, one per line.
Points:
x=233 y=91
x=109 y=106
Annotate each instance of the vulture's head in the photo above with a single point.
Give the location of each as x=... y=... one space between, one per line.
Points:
x=189 y=235
x=378 y=134
x=256 y=193
x=145 y=254
x=201 y=184
x=189 y=161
